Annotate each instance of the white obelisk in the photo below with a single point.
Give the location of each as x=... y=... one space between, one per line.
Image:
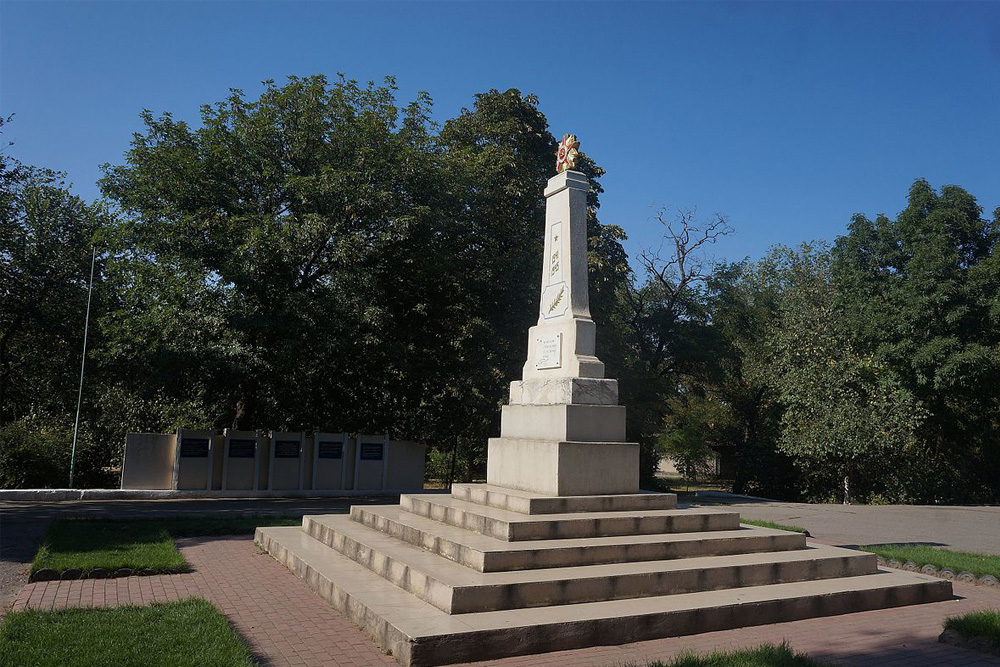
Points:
x=564 y=432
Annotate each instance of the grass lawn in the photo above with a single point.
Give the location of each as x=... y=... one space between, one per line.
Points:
x=189 y=633
x=134 y=544
x=957 y=561
x=767 y=655
x=982 y=624
x=775 y=526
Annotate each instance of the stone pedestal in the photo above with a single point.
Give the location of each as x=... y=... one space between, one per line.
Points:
x=564 y=432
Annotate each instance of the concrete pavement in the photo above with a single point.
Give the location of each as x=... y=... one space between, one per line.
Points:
x=972 y=528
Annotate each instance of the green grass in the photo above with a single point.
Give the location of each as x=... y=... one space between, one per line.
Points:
x=135 y=544
x=956 y=561
x=109 y=545
x=189 y=633
x=767 y=655
x=977 y=624
x=775 y=526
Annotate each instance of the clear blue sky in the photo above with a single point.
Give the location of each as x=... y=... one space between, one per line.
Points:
x=788 y=118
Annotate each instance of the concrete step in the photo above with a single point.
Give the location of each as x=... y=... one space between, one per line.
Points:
x=456 y=589
x=513 y=526
x=526 y=502
x=419 y=634
x=488 y=554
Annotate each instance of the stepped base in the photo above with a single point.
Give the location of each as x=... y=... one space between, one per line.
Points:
x=527 y=502
x=514 y=527
x=418 y=633
x=456 y=589
x=489 y=554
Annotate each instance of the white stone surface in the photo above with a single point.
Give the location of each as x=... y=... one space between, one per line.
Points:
x=578 y=337
x=586 y=423
x=564 y=307
x=149 y=461
x=564 y=432
x=563 y=468
x=555 y=391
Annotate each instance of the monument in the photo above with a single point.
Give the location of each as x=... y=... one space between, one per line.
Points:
x=563 y=432
x=560 y=549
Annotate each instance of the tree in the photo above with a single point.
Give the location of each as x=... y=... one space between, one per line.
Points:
x=46 y=239
x=320 y=257
x=260 y=241
x=921 y=293
x=743 y=302
x=845 y=414
x=46 y=236
x=695 y=425
x=656 y=341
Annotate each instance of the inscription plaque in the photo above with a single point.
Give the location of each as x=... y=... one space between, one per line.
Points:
x=194 y=448
x=242 y=449
x=371 y=451
x=331 y=450
x=548 y=352
x=286 y=449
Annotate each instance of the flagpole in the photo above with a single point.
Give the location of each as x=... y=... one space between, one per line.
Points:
x=83 y=365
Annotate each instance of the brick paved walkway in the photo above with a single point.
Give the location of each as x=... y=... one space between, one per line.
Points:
x=286 y=624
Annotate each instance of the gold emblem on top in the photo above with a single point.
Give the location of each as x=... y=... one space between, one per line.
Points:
x=568 y=153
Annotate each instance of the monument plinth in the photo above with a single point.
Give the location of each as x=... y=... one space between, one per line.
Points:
x=559 y=549
x=563 y=432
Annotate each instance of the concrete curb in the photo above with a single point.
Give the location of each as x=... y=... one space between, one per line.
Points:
x=149 y=494
x=731 y=497
x=944 y=573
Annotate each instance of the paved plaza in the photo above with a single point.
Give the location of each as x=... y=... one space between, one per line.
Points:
x=287 y=624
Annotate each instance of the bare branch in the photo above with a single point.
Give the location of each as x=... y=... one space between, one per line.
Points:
x=676 y=267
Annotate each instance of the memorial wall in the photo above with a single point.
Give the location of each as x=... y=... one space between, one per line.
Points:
x=254 y=462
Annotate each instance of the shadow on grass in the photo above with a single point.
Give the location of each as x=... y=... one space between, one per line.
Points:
x=141 y=544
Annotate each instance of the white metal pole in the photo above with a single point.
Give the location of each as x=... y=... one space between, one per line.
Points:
x=83 y=365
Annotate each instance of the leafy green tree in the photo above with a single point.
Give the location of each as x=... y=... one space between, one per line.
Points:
x=46 y=236
x=697 y=423
x=46 y=240
x=743 y=301
x=319 y=258
x=845 y=413
x=921 y=294
x=256 y=252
